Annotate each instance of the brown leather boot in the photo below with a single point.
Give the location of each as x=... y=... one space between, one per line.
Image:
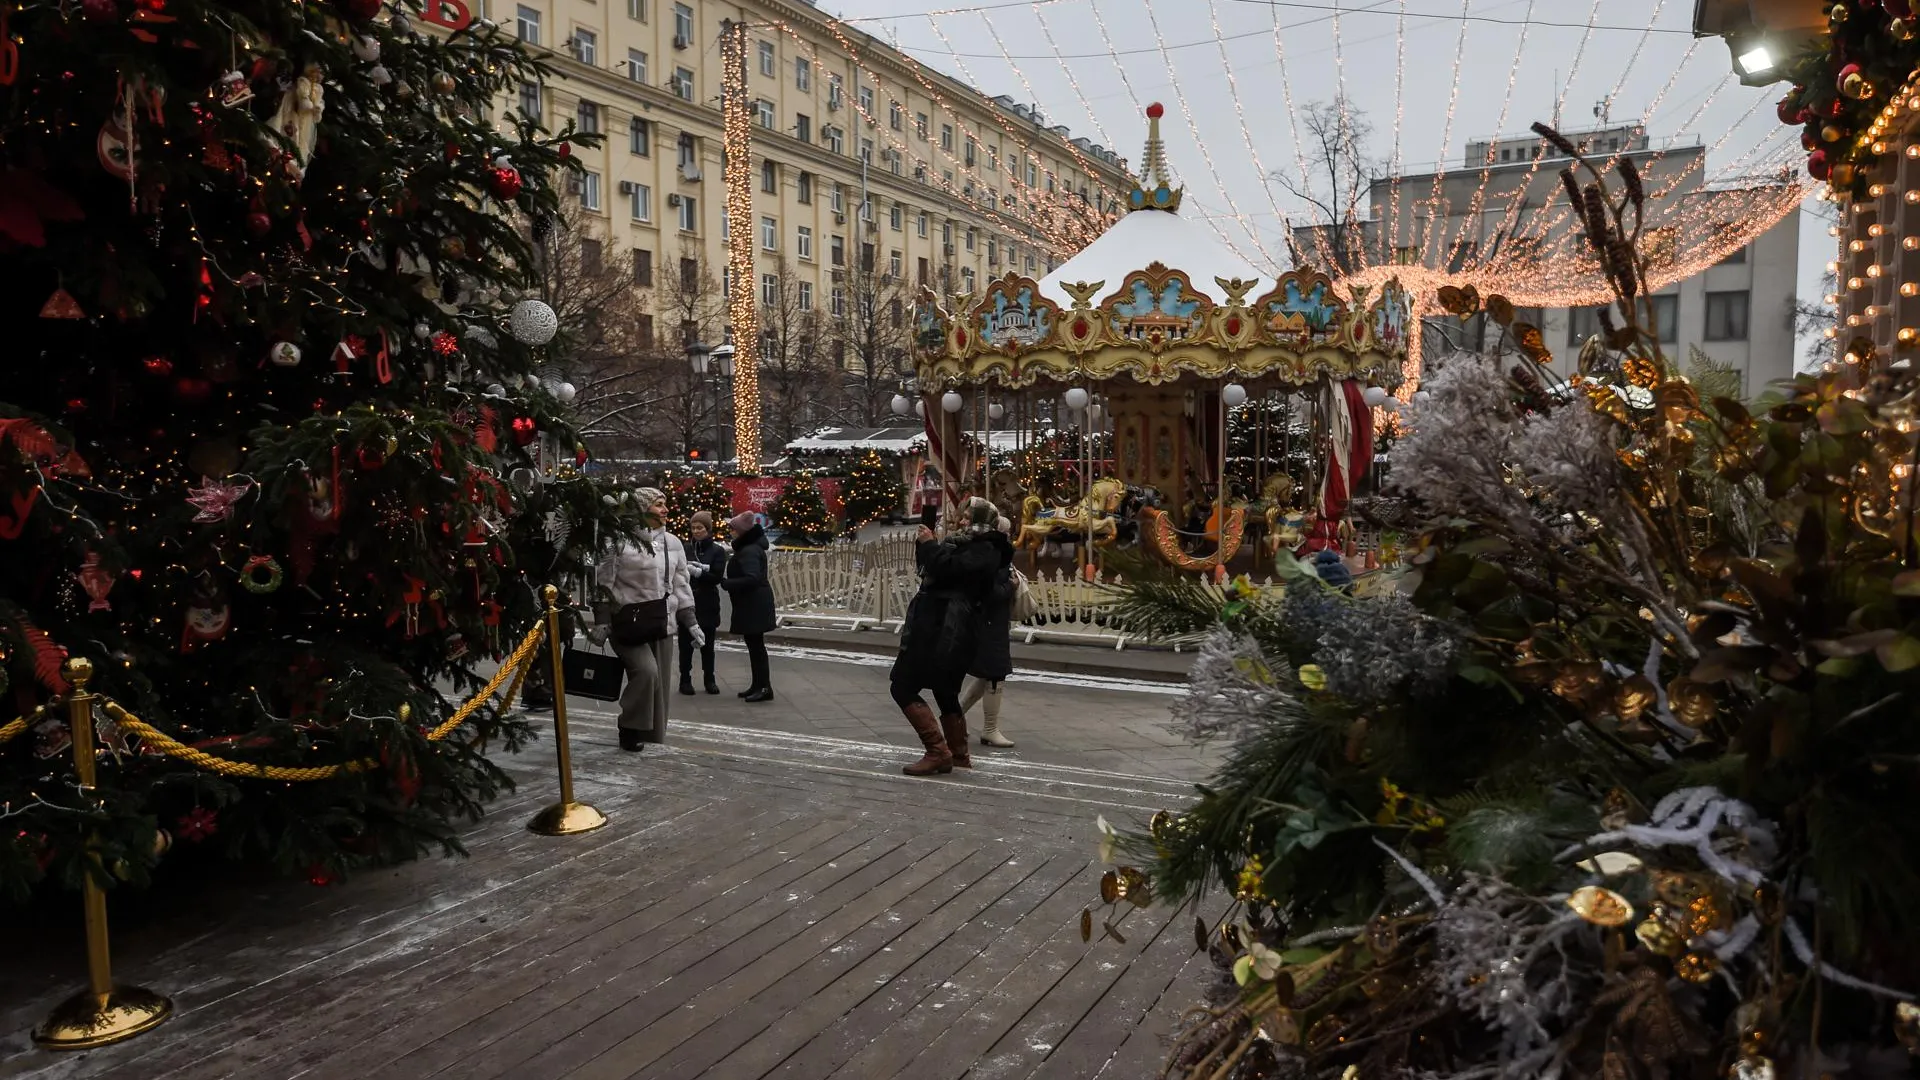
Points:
x=937 y=759
x=954 y=727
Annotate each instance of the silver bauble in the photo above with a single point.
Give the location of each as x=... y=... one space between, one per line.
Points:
x=533 y=322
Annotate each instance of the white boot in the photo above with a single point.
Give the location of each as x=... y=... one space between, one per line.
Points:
x=990 y=708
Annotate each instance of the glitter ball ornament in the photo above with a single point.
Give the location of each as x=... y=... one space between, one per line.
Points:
x=421 y=331
x=504 y=182
x=533 y=322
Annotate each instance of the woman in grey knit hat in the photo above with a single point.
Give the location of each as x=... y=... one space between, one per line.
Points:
x=642 y=571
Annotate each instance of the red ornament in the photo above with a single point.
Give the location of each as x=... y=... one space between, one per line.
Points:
x=1840 y=77
x=1817 y=166
x=1789 y=109
x=1837 y=107
x=372 y=457
x=1156 y=110
x=565 y=150
x=196 y=825
x=158 y=365
x=258 y=225
x=579 y=456
x=523 y=430
x=504 y=182
x=77 y=405
x=319 y=876
x=445 y=345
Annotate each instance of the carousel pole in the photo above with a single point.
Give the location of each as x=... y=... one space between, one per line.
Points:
x=1220 y=489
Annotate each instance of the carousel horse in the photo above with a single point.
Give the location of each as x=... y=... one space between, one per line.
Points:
x=1095 y=516
x=1286 y=527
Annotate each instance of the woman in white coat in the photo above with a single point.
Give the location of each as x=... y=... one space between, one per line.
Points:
x=646 y=568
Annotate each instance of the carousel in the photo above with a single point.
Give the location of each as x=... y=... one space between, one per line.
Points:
x=1144 y=347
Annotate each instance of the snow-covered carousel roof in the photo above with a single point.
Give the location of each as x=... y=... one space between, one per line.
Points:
x=1153 y=236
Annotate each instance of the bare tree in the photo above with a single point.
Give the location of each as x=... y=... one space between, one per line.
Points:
x=870 y=326
x=1333 y=140
x=688 y=306
x=592 y=287
x=793 y=368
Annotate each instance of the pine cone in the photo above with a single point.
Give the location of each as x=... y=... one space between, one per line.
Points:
x=1558 y=140
x=1630 y=179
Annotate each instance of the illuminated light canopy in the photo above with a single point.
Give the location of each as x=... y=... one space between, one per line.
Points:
x=742 y=311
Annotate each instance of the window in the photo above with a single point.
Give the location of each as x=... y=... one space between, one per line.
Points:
x=839 y=301
x=838 y=201
x=590 y=190
x=1406 y=256
x=920 y=125
x=866 y=258
x=763 y=113
x=530 y=101
x=1033 y=173
x=866 y=150
x=642 y=266
x=637 y=10
x=689 y=275
x=922 y=279
x=896 y=116
x=1666 y=312
x=805 y=186
x=527 y=24
x=802 y=127
x=920 y=173
x=946 y=137
x=920 y=224
x=586 y=47
x=893 y=262
x=1737 y=255
x=803 y=242
x=770 y=178
x=993 y=251
x=894 y=218
x=682 y=25
x=971 y=235
x=682 y=83
x=641 y=196
x=769 y=347
x=646 y=331
x=636 y=65
x=805 y=296
x=590 y=255
x=1049 y=183
x=896 y=313
x=802 y=73
x=966 y=279
x=835 y=94
x=1726 y=316
x=769 y=234
x=993 y=159
x=993 y=201
x=767 y=63
x=689 y=151
x=946 y=234
x=835 y=139
x=970 y=151
x=689 y=214
x=769 y=290
x=639 y=137
x=837 y=247
x=1582 y=323
x=589 y=118
x=689 y=332
x=865 y=97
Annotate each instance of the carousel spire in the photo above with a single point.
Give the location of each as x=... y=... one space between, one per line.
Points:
x=1154 y=190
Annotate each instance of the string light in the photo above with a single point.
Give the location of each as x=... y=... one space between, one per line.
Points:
x=742 y=310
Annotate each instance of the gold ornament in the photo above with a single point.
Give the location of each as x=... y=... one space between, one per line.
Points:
x=1830 y=133
x=1692 y=702
x=1900 y=29
x=442 y=83
x=1856 y=86
x=1632 y=698
x=1110 y=887
x=1906 y=1025
x=1695 y=967
x=1312 y=677
x=1577 y=681
x=1658 y=937
x=1601 y=907
x=1249 y=886
x=453 y=247
x=1616 y=810
x=1838 y=13
x=1842 y=174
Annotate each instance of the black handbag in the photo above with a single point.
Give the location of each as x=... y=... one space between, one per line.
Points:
x=645 y=622
x=591 y=674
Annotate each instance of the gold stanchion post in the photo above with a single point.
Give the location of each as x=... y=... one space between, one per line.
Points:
x=103 y=1013
x=566 y=816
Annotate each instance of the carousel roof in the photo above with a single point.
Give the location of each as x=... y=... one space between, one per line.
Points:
x=1148 y=236
x=887 y=440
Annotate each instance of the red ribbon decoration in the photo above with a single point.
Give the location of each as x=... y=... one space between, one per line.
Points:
x=382 y=363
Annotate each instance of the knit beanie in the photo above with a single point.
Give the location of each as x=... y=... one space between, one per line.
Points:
x=703 y=517
x=649 y=497
x=980 y=514
x=743 y=521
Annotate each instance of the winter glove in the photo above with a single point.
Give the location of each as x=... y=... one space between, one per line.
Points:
x=696 y=569
x=697 y=636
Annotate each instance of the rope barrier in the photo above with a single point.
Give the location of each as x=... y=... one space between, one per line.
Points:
x=515 y=668
x=20 y=725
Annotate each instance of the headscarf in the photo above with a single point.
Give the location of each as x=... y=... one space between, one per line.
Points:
x=980 y=515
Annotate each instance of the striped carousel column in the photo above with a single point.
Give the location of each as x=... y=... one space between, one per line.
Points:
x=947 y=451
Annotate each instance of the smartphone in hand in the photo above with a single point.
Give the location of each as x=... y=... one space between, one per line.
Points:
x=930 y=517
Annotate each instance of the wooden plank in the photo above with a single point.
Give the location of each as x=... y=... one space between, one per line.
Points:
x=736 y=1050
x=641 y=993
x=538 y=912
x=883 y=911
x=1144 y=1050
x=1001 y=944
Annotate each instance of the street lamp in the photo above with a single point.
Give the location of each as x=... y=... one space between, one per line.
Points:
x=723 y=365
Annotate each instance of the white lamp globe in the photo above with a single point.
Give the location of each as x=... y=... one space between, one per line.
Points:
x=1375 y=396
x=920 y=409
x=951 y=401
x=901 y=406
x=1093 y=415
x=1234 y=395
x=996 y=411
x=1076 y=398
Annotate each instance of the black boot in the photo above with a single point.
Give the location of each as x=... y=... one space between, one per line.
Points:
x=630 y=740
x=712 y=687
x=686 y=685
x=765 y=693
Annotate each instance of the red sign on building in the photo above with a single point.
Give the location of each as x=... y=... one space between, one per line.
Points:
x=757 y=493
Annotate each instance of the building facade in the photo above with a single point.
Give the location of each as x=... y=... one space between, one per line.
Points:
x=869 y=170
x=1491 y=210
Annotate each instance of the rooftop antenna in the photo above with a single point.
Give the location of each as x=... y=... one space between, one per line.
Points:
x=1603 y=109
x=1556 y=100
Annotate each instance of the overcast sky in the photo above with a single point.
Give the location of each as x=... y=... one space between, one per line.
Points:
x=1427 y=81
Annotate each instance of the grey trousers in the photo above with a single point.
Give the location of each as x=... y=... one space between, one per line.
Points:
x=643 y=701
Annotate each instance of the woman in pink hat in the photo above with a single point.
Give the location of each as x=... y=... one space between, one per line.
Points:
x=752 y=594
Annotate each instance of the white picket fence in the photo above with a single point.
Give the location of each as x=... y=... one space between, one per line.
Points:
x=868 y=586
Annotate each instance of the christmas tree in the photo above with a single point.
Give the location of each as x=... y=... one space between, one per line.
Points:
x=873 y=490
x=692 y=492
x=271 y=450
x=801 y=512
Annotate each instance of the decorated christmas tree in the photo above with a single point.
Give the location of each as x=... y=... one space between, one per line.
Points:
x=1618 y=782
x=692 y=492
x=272 y=454
x=800 y=511
x=873 y=490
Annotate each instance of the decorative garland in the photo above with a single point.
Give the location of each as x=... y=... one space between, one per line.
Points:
x=251 y=574
x=1870 y=58
x=1159 y=531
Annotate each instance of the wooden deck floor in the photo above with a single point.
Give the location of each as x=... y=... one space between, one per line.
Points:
x=762 y=905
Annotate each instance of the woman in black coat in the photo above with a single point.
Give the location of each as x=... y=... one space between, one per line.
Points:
x=753 y=613
x=943 y=628
x=707 y=563
x=993 y=654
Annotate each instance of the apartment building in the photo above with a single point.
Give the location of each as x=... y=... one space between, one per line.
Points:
x=867 y=168
x=1484 y=212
